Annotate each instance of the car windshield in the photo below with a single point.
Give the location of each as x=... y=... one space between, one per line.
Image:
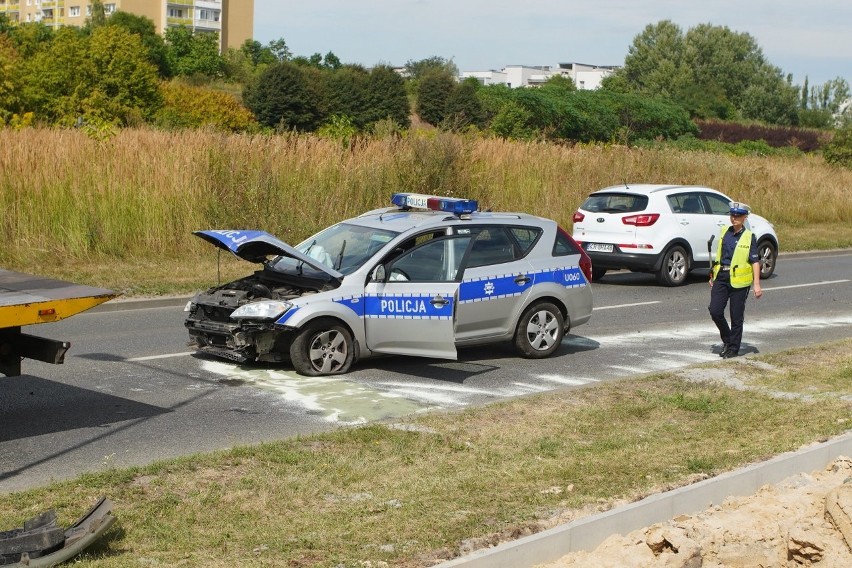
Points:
x=615 y=203
x=343 y=247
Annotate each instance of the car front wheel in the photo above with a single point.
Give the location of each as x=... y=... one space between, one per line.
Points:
x=540 y=331
x=768 y=256
x=674 y=267
x=322 y=347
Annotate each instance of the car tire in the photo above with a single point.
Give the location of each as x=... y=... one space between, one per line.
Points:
x=598 y=273
x=322 y=347
x=768 y=254
x=540 y=331
x=674 y=267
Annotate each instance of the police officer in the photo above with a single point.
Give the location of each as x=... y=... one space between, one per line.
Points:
x=735 y=269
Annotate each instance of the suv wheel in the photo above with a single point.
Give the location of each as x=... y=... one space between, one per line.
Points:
x=768 y=255
x=674 y=267
x=598 y=273
x=540 y=331
x=322 y=347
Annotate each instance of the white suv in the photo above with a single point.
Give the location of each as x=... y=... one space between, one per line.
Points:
x=662 y=229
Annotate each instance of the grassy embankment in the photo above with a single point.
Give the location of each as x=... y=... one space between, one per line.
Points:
x=120 y=213
x=436 y=485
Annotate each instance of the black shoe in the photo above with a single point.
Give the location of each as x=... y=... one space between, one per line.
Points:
x=724 y=349
x=729 y=353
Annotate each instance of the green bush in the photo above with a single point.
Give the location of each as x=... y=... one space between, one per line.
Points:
x=839 y=150
x=186 y=106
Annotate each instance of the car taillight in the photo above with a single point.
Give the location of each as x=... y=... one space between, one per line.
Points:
x=585 y=260
x=586 y=265
x=641 y=220
x=578 y=217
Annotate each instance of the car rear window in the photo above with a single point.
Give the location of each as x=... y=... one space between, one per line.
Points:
x=615 y=203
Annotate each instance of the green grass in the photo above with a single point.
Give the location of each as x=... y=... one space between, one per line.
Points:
x=124 y=219
x=450 y=481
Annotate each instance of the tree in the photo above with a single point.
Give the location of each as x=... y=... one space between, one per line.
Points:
x=347 y=94
x=279 y=49
x=257 y=54
x=715 y=55
x=711 y=70
x=53 y=77
x=417 y=69
x=152 y=42
x=654 y=64
x=194 y=53
x=770 y=98
x=331 y=61
x=433 y=92
x=559 y=85
x=124 y=85
x=463 y=107
x=30 y=38
x=386 y=97
x=98 y=17
x=282 y=98
x=10 y=80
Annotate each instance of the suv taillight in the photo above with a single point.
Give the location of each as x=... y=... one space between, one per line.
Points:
x=641 y=220
x=578 y=217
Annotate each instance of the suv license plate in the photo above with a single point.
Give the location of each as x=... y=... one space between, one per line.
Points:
x=598 y=247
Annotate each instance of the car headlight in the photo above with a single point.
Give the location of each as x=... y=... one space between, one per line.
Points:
x=188 y=306
x=263 y=310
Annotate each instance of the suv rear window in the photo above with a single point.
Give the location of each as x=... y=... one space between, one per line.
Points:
x=615 y=203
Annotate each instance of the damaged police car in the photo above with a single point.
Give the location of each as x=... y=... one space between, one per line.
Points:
x=422 y=277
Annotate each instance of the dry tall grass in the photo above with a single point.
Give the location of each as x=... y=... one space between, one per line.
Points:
x=140 y=194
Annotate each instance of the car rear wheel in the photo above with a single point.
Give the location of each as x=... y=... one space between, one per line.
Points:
x=322 y=347
x=540 y=331
x=674 y=267
x=768 y=256
x=598 y=273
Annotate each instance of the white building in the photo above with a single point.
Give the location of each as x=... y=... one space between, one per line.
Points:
x=585 y=76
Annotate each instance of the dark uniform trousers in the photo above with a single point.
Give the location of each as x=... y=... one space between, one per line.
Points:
x=721 y=294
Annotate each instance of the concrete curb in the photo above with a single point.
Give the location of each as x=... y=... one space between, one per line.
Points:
x=589 y=532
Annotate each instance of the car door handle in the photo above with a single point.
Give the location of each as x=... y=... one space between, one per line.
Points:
x=439 y=302
x=522 y=279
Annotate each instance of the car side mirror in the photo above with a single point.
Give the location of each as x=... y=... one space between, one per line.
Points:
x=378 y=274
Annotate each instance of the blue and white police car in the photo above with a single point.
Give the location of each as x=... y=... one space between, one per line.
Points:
x=423 y=277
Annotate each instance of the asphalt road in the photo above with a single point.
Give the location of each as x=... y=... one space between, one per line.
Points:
x=131 y=392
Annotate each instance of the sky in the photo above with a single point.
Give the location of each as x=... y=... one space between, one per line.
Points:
x=810 y=39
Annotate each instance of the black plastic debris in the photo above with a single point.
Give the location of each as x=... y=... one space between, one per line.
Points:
x=41 y=543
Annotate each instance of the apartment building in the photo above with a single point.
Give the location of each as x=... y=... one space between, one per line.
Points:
x=233 y=20
x=586 y=77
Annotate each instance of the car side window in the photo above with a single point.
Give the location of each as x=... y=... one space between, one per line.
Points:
x=718 y=205
x=526 y=237
x=491 y=246
x=686 y=203
x=564 y=245
x=437 y=260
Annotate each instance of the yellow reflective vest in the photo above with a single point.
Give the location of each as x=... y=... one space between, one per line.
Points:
x=741 y=270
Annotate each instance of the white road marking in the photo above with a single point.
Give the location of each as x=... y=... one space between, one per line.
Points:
x=626 y=305
x=821 y=283
x=165 y=356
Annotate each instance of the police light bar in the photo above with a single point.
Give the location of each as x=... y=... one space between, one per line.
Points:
x=453 y=205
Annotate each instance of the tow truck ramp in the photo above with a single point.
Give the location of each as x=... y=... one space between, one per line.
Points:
x=26 y=300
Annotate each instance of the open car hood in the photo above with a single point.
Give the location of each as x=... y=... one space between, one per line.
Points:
x=256 y=246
